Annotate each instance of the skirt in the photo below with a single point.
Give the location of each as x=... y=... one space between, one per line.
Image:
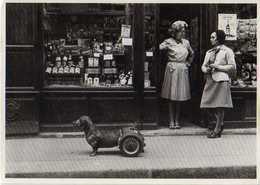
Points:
x=176 y=84
x=216 y=94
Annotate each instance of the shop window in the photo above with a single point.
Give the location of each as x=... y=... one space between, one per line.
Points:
x=150 y=45
x=88 y=45
x=245 y=51
x=245 y=44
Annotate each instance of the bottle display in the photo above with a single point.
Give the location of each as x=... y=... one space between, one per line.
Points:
x=87 y=50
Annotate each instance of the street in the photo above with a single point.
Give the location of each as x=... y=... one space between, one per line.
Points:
x=164 y=157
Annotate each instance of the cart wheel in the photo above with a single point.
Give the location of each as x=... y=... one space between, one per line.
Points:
x=130 y=146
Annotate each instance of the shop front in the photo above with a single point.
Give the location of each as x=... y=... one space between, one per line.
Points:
x=103 y=60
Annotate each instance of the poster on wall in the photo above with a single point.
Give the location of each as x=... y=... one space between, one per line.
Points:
x=228 y=23
x=125 y=31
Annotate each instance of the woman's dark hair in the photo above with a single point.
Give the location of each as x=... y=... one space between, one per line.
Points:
x=221 y=36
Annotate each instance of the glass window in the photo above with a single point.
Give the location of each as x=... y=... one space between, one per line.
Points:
x=245 y=51
x=150 y=44
x=244 y=46
x=88 y=45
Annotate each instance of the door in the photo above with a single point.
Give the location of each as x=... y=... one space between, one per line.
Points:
x=168 y=14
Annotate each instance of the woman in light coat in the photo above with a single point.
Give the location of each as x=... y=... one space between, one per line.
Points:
x=219 y=62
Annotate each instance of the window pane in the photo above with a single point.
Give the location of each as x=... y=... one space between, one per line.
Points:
x=150 y=44
x=84 y=45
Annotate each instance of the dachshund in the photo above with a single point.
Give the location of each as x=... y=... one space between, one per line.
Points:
x=97 y=138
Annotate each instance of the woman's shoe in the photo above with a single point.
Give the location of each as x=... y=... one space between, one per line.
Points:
x=172 y=125
x=221 y=128
x=214 y=134
x=219 y=134
x=177 y=126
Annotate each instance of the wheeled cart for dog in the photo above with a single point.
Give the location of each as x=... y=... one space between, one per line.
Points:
x=131 y=141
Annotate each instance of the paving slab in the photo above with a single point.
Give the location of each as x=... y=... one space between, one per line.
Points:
x=232 y=156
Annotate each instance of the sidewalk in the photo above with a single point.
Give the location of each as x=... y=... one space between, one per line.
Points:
x=163 y=131
x=167 y=155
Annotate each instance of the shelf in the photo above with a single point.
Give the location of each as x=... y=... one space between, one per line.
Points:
x=91 y=55
x=94 y=13
x=76 y=75
x=79 y=89
x=243 y=89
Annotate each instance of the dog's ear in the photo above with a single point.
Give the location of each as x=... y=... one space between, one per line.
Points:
x=90 y=122
x=85 y=120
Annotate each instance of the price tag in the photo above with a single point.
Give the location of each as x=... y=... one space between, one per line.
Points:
x=90 y=62
x=95 y=64
x=108 y=57
x=127 y=41
x=96 y=54
x=147 y=83
x=149 y=53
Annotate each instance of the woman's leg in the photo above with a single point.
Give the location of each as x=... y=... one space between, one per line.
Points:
x=178 y=111
x=222 y=114
x=216 y=131
x=220 y=119
x=171 y=114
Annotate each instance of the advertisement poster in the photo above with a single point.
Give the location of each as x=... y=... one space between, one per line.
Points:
x=228 y=23
x=125 y=31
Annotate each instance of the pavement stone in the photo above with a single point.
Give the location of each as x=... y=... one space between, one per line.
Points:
x=232 y=156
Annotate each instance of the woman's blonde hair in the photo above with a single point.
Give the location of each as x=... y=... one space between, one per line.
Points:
x=176 y=27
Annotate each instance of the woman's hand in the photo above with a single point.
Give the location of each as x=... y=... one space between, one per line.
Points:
x=214 y=66
x=206 y=69
x=222 y=68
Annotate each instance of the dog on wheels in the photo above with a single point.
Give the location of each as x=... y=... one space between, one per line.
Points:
x=129 y=139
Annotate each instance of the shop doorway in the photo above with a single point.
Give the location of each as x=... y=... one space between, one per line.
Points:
x=190 y=13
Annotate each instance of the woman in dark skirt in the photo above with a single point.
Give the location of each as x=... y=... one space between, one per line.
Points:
x=218 y=63
x=176 y=87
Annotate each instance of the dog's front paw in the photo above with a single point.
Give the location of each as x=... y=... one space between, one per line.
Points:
x=93 y=153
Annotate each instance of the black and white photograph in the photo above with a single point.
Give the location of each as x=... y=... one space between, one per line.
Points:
x=152 y=91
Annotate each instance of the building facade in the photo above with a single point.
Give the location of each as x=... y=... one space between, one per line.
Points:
x=102 y=60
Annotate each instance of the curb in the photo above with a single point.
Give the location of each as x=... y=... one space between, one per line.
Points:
x=244 y=172
x=147 y=133
x=152 y=133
